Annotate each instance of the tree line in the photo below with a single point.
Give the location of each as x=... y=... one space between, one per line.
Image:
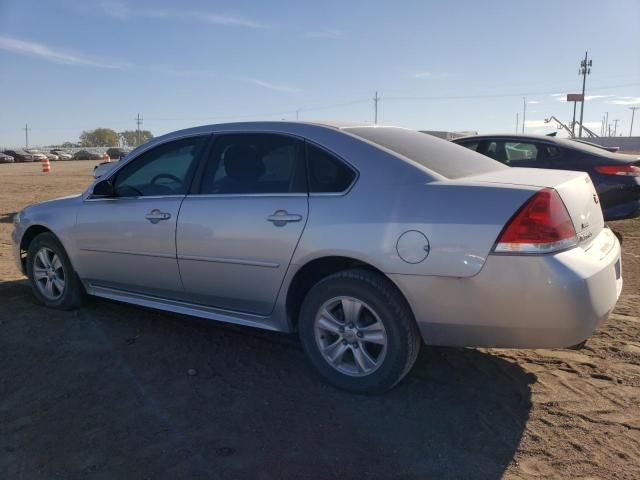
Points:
x=106 y=137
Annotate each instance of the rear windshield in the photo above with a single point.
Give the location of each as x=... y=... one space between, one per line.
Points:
x=597 y=150
x=443 y=157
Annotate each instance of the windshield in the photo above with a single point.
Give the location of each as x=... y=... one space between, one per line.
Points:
x=443 y=157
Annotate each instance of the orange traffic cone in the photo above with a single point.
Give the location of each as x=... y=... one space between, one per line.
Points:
x=46 y=166
x=106 y=157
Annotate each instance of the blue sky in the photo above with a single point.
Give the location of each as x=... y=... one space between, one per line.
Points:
x=72 y=65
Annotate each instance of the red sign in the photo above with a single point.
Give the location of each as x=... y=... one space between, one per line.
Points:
x=575 y=97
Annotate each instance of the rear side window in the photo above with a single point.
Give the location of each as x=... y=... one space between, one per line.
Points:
x=255 y=163
x=440 y=156
x=327 y=174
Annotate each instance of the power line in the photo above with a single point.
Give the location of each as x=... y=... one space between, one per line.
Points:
x=496 y=95
x=299 y=110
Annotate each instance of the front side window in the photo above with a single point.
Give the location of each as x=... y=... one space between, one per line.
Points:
x=327 y=174
x=163 y=170
x=255 y=163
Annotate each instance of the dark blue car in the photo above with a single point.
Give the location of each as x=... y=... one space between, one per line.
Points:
x=616 y=176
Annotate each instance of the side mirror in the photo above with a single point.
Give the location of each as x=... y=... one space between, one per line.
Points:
x=104 y=188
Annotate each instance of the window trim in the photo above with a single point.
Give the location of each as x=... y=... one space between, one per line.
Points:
x=197 y=187
x=194 y=171
x=340 y=159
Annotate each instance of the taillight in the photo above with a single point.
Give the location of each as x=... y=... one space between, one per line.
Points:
x=542 y=225
x=626 y=170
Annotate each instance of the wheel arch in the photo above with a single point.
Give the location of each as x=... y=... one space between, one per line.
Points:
x=29 y=235
x=319 y=268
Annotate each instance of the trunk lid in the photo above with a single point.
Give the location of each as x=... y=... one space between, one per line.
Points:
x=575 y=189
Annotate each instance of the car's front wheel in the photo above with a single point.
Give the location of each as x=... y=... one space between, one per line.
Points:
x=358 y=331
x=53 y=280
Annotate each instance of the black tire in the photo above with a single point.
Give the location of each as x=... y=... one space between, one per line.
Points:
x=73 y=292
x=402 y=334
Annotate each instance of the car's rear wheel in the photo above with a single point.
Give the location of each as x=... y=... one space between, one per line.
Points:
x=53 y=280
x=358 y=331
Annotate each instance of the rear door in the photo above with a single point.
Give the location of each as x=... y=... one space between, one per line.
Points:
x=237 y=233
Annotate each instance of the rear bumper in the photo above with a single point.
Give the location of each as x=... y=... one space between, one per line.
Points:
x=630 y=209
x=546 y=301
x=620 y=199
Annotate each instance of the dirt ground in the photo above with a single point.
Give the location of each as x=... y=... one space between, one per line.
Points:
x=105 y=392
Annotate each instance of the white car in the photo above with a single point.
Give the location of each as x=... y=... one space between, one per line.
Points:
x=62 y=155
x=37 y=155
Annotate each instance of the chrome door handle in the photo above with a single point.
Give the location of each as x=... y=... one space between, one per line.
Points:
x=282 y=217
x=155 y=216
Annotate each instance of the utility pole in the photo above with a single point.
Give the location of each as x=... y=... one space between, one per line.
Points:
x=26 y=135
x=297 y=114
x=615 y=127
x=138 y=123
x=517 y=121
x=376 y=99
x=606 y=124
x=633 y=114
x=585 y=69
x=524 y=113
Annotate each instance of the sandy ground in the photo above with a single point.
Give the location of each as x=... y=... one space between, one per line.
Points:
x=104 y=392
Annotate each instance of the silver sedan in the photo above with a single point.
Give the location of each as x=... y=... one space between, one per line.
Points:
x=366 y=241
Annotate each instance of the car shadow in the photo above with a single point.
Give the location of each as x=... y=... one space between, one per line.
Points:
x=7 y=217
x=118 y=390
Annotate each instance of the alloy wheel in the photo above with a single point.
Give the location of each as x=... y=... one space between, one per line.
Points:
x=350 y=336
x=49 y=274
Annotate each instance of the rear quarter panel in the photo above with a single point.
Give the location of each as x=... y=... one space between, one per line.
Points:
x=460 y=221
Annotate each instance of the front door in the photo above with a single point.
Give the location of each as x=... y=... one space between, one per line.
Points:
x=237 y=234
x=127 y=241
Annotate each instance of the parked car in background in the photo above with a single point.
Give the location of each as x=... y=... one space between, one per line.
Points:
x=87 y=155
x=102 y=168
x=116 y=153
x=20 y=155
x=366 y=241
x=52 y=156
x=615 y=176
x=38 y=156
x=4 y=158
x=62 y=154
